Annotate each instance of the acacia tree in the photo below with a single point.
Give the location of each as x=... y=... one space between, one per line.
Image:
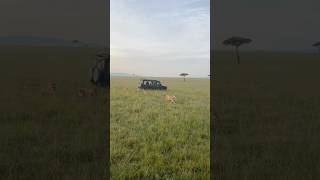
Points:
x=184 y=76
x=317 y=45
x=237 y=42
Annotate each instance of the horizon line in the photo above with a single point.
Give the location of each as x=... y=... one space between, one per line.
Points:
x=147 y=76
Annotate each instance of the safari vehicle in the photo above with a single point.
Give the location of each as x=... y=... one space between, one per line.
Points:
x=152 y=85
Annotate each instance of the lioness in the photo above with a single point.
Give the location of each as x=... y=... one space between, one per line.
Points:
x=171 y=99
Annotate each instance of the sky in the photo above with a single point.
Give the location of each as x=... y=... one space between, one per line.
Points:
x=281 y=25
x=85 y=20
x=161 y=38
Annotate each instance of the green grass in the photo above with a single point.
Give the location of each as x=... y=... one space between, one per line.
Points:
x=268 y=126
x=61 y=137
x=269 y=116
x=154 y=139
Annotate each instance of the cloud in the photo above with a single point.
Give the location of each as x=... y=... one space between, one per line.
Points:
x=168 y=33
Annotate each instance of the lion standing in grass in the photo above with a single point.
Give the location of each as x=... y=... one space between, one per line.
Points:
x=171 y=99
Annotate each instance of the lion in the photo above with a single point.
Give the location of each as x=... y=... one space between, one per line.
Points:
x=171 y=99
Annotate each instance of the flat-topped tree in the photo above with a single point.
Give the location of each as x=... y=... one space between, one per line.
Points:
x=184 y=76
x=317 y=45
x=237 y=42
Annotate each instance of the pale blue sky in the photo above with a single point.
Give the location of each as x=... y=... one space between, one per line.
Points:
x=160 y=37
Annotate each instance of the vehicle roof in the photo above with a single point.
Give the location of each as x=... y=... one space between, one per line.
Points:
x=149 y=80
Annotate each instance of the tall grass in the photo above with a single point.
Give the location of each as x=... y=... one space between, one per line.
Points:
x=44 y=137
x=154 y=139
x=269 y=112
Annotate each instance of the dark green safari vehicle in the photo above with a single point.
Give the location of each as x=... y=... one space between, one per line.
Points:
x=151 y=85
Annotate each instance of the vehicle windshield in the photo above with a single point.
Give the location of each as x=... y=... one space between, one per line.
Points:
x=150 y=83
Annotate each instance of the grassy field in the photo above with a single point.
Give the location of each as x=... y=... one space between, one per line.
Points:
x=269 y=116
x=268 y=127
x=154 y=139
x=50 y=137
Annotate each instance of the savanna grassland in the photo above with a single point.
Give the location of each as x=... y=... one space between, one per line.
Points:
x=154 y=139
x=50 y=137
x=268 y=110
